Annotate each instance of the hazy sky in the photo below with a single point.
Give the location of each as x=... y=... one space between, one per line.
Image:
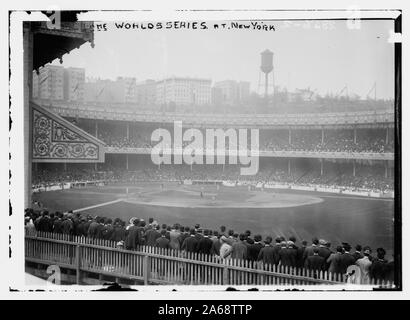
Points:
x=324 y=59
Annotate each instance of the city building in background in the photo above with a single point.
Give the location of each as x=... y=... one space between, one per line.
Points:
x=184 y=91
x=49 y=83
x=122 y=90
x=74 y=81
x=230 y=92
x=146 y=93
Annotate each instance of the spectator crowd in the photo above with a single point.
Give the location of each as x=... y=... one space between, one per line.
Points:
x=336 y=140
x=366 y=178
x=318 y=255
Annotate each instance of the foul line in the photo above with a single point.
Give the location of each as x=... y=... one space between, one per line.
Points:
x=356 y=197
x=98 y=205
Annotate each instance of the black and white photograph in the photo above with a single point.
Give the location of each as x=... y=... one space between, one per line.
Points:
x=205 y=151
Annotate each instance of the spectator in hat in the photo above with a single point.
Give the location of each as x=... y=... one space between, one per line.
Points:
x=378 y=268
x=287 y=254
x=133 y=237
x=57 y=224
x=333 y=260
x=162 y=242
x=226 y=248
x=345 y=259
x=364 y=264
x=266 y=255
x=324 y=250
x=174 y=237
x=358 y=252
x=151 y=235
x=315 y=262
x=205 y=243
x=239 y=248
x=222 y=230
x=119 y=232
x=44 y=223
x=253 y=249
x=67 y=226
x=29 y=227
x=216 y=244
x=183 y=235
x=300 y=262
x=190 y=243
x=309 y=250
x=108 y=229
x=276 y=250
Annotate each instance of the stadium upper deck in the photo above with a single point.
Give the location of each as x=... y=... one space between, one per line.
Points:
x=360 y=119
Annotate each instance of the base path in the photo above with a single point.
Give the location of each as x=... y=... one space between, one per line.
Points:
x=97 y=205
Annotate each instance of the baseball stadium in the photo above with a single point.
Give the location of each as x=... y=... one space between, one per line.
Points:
x=128 y=184
x=330 y=176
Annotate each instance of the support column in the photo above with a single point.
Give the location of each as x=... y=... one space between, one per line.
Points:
x=386 y=169
x=354 y=168
x=96 y=128
x=126 y=161
x=128 y=130
x=288 y=166
x=290 y=136
x=387 y=135
x=65 y=166
x=96 y=166
x=323 y=135
x=321 y=167
x=355 y=135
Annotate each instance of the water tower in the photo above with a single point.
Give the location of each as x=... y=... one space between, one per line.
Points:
x=267 y=68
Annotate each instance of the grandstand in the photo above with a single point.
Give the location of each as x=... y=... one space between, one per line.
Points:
x=351 y=150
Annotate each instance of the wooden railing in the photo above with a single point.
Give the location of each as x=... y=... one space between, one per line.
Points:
x=165 y=266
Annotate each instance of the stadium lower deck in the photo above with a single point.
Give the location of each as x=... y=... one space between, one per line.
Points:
x=336 y=218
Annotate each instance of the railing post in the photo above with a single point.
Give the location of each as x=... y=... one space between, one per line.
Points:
x=78 y=262
x=146 y=269
x=225 y=275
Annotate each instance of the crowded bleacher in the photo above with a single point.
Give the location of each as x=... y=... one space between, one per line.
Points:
x=367 y=177
x=318 y=255
x=114 y=134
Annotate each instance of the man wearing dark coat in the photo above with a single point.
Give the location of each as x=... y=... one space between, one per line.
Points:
x=324 y=251
x=151 y=236
x=378 y=269
x=162 y=242
x=57 y=225
x=358 y=253
x=309 y=250
x=315 y=262
x=300 y=262
x=119 y=232
x=345 y=259
x=190 y=243
x=287 y=254
x=205 y=243
x=276 y=249
x=133 y=237
x=45 y=224
x=67 y=226
x=93 y=228
x=266 y=255
x=239 y=248
x=255 y=248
